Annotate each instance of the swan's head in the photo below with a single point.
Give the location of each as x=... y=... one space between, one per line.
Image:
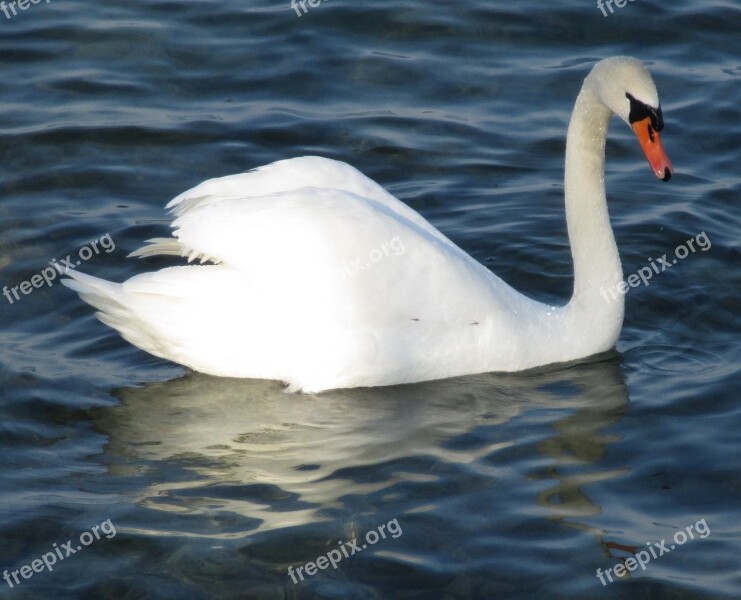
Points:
x=624 y=85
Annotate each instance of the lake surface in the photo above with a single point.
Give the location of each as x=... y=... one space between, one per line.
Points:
x=173 y=484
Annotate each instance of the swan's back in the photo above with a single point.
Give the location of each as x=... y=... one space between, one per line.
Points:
x=292 y=174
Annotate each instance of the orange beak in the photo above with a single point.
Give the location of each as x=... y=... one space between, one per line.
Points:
x=650 y=141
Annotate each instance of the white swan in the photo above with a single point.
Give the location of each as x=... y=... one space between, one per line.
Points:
x=322 y=279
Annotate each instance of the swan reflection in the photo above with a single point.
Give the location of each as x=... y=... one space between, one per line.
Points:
x=204 y=445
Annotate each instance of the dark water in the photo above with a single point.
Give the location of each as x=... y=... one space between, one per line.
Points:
x=494 y=486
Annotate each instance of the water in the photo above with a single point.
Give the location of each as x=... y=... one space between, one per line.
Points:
x=497 y=486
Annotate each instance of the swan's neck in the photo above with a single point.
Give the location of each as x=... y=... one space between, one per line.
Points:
x=597 y=306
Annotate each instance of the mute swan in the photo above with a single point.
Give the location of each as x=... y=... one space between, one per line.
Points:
x=322 y=279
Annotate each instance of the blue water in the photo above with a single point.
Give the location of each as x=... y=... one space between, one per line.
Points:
x=493 y=486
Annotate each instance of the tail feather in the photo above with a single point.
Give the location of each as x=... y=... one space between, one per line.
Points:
x=98 y=292
x=109 y=299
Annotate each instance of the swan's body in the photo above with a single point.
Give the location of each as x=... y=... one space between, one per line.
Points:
x=324 y=280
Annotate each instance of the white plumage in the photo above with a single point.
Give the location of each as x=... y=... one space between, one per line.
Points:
x=322 y=279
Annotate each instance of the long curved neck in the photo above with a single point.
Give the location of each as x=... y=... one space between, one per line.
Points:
x=597 y=306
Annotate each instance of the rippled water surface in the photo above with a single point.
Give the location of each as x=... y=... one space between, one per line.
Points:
x=490 y=486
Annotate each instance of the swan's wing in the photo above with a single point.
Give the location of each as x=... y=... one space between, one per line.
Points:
x=292 y=174
x=271 y=181
x=343 y=249
x=312 y=222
